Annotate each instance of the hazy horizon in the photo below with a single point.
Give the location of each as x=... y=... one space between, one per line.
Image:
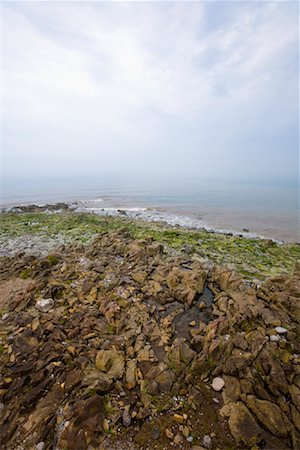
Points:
x=207 y=89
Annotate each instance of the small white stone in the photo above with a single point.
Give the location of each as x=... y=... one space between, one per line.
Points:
x=5 y=316
x=1 y=406
x=206 y=441
x=40 y=445
x=218 y=384
x=281 y=330
x=274 y=338
x=44 y=304
x=190 y=439
x=215 y=400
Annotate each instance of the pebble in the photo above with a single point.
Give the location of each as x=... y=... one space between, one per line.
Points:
x=5 y=316
x=202 y=306
x=218 y=384
x=155 y=434
x=45 y=304
x=40 y=445
x=126 y=418
x=192 y=323
x=190 y=439
x=177 y=439
x=215 y=400
x=206 y=442
x=169 y=433
x=281 y=330
x=1 y=406
x=274 y=338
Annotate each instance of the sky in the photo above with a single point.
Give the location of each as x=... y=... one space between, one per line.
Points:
x=205 y=89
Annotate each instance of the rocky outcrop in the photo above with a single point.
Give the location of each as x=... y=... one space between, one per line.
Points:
x=120 y=336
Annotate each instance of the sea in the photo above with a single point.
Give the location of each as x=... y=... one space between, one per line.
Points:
x=256 y=208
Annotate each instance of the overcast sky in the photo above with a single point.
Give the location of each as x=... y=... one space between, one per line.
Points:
x=207 y=88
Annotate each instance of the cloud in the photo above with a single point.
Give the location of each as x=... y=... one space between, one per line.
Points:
x=120 y=83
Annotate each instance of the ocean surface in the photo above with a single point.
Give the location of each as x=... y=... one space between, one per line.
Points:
x=253 y=208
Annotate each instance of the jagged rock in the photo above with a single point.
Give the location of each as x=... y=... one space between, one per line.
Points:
x=206 y=441
x=111 y=362
x=232 y=390
x=165 y=381
x=243 y=426
x=88 y=422
x=131 y=373
x=270 y=416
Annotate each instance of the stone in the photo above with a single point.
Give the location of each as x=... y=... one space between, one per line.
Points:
x=111 y=362
x=44 y=304
x=206 y=441
x=281 y=330
x=40 y=445
x=5 y=316
x=169 y=433
x=165 y=381
x=190 y=439
x=218 y=384
x=232 y=391
x=243 y=426
x=178 y=439
x=126 y=418
x=178 y=418
x=270 y=416
x=274 y=338
x=155 y=434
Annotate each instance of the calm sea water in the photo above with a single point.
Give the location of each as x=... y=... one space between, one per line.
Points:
x=265 y=209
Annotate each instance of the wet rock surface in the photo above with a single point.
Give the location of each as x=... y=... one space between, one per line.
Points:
x=126 y=351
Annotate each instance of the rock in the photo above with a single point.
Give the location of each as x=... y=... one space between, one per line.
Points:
x=126 y=418
x=169 y=433
x=111 y=362
x=270 y=416
x=5 y=316
x=218 y=384
x=190 y=439
x=243 y=426
x=202 y=305
x=281 y=330
x=178 y=439
x=274 y=338
x=105 y=425
x=206 y=441
x=40 y=445
x=155 y=434
x=165 y=381
x=178 y=418
x=232 y=391
x=44 y=304
x=197 y=447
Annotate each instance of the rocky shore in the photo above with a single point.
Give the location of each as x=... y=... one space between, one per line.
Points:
x=115 y=337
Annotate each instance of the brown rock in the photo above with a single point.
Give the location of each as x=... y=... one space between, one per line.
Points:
x=111 y=362
x=270 y=416
x=243 y=426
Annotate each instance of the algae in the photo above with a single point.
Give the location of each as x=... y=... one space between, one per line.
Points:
x=252 y=258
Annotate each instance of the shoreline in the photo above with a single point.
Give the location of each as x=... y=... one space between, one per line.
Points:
x=146 y=214
x=39 y=230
